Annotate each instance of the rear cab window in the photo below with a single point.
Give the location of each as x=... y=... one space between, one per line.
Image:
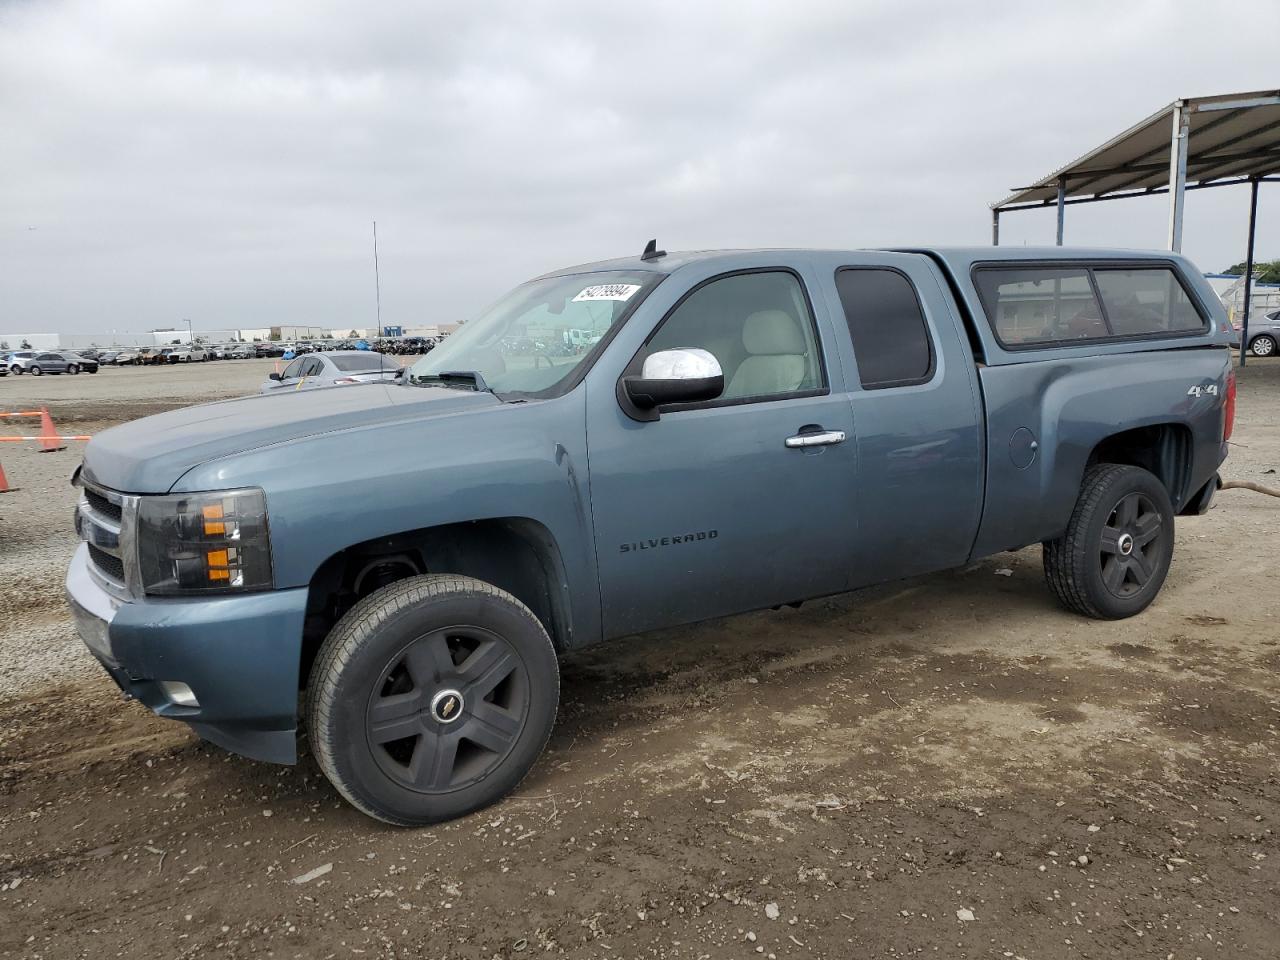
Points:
x=891 y=343
x=1030 y=304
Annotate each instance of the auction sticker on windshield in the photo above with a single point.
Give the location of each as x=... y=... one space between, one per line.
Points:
x=608 y=291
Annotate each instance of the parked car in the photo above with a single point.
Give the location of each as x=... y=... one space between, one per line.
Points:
x=241 y=352
x=19 y=360
x=4 y=369
x=752 y=429
x=108 y=357
x=78 y=361
x=332 y=369
x=128 y=357
x=49 y=362
x=1264 y=335
x=187 y=354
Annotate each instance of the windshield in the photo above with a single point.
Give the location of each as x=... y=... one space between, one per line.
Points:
x=539 y=334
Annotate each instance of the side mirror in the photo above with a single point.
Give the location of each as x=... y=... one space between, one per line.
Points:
x=685 y=375
x=273 y=376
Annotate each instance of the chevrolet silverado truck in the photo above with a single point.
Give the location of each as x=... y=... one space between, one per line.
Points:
x=740 y=430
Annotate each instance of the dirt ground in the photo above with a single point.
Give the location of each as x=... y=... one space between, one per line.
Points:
x=950 y=766
x=123 y=393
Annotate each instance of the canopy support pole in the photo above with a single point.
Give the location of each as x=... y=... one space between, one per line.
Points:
x=1062 y=206
x=1248 y=269
x=995 y=228
x=1178 y=172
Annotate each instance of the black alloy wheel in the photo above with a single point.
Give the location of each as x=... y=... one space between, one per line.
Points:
x=431 y=698
x=1116 y=551
x=1131 y=545
x=447 y=709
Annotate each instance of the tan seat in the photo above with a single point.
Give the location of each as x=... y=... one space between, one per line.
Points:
x=775 y=361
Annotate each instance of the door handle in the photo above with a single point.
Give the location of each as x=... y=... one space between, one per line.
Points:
x=823 y=439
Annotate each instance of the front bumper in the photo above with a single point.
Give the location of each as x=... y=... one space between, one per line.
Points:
x=238 y=656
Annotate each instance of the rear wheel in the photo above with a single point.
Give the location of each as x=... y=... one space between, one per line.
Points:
x=72 y=369
x=432 y=698
x=36 y=371
x=1263 y=346
x=16 y=370
x=1115 y=554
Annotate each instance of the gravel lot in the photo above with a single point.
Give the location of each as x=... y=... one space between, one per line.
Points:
x=123 y=393
x=950 y=766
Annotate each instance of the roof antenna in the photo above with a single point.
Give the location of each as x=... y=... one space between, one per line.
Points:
x=651 y=251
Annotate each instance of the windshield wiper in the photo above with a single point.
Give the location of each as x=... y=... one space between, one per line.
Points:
x=455 y=378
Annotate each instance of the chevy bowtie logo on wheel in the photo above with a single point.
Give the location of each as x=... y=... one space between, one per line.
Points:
x=446 y=706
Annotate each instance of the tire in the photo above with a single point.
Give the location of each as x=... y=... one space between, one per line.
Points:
x=432 y=698
x=72 y=369
x=1263 y=346
x=36 y=371
x=1115 y=554
x=16 y=370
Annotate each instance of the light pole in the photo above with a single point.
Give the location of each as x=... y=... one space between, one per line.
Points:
x=377 y=282
x=191 y=336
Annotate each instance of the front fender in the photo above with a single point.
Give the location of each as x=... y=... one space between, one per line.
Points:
x=330 y=491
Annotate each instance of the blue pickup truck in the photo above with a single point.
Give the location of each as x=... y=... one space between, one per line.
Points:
x=629 y=445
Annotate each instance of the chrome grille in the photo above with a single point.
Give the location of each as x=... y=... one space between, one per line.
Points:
x=111 y=566
x=102 y=505
x=105 y=521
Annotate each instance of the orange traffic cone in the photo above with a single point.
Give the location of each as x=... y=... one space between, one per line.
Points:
x=49 y=439
x=4 y=482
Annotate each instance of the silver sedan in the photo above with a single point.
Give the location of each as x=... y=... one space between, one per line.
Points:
x=332 y=369
x=1264 y=335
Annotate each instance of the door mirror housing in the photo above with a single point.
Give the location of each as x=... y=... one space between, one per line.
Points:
x=273 y=376
x=684 y=375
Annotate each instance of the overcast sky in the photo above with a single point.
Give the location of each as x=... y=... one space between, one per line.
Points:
x=223 y=161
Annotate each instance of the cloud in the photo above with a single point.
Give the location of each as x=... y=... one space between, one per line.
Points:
x=223 y=161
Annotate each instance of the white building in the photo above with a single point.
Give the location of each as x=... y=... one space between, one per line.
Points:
x=82 y=341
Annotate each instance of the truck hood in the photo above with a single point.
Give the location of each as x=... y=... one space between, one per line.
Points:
x=150 y=455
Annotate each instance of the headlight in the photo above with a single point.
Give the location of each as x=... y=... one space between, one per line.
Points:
x=204 y=542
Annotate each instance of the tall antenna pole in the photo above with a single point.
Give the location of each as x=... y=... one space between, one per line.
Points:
x=377 y=282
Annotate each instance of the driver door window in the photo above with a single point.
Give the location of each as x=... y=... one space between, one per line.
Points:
x=758 y=326
x=292 y=371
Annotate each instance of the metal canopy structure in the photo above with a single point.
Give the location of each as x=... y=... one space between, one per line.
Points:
x=1191 y=144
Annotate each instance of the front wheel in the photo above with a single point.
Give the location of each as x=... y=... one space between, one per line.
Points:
x=1115 y=554
x=36 y=371
x=432 y=698
x=16 y=370
x=72 y=369
x=1263 y=346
